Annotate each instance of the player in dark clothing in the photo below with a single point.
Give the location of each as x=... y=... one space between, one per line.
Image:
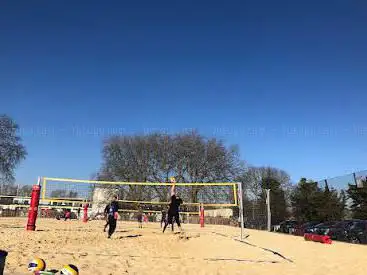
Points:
x=106 y=210
x=112 y=215
x=78 y=213
x=164 y=217
x=173 y=210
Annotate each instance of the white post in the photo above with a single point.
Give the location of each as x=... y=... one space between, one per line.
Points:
x=39 y=180
x=268 y=208
x=240 y=204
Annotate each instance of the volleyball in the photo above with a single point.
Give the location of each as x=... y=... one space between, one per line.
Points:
x=37 y=265
x=69 y=270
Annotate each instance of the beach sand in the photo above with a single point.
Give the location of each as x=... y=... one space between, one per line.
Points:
x=208 y=250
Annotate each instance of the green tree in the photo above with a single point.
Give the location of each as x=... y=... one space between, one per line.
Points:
x=332 y=205
x=306 y=201
x=343 y=197
x=312 y=203
x=12 y=151
x=358 y=196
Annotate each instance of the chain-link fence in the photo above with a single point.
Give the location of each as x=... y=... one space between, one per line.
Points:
x=255 y=205
x=255 y=213
x=341 y=182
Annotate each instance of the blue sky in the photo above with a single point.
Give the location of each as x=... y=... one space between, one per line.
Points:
x=285 y=80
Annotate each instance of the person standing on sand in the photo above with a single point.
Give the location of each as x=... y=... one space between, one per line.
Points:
x=164 y=217
x=67 y=214
x=173 y=210
x=140 y=218
x=112 y=215
x=106 y=210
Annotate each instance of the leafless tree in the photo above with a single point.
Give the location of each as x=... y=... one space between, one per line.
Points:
x=12 y=152
x=190 y=157
x=254 y=182
x=253 y=178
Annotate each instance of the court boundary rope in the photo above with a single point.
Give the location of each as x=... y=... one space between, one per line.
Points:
x=256 y=246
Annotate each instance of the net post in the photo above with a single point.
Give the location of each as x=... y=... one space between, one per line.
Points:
x=85 y=212
x=33 y=207
x=199 y=212
x=39 y=183
x=201 y=215
x=235 y=193
x=268 y=208
x=240 y=205
x=43 y=182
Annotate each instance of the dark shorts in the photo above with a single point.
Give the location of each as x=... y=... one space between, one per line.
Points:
x=172 y=215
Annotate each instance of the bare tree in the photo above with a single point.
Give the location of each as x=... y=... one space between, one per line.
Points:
x=25 y=191
x=190 y=157
x=199 y=159
x=254 y=177
x=12 y=152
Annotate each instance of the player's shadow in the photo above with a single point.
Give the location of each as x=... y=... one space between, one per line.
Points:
x=12 y=227
x=130 y=236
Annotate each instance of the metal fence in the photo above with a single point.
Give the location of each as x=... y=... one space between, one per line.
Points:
x=341 y=182
x=255 y=214
x=255 y=211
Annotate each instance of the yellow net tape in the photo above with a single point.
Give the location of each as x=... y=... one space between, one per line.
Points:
x=218 y=194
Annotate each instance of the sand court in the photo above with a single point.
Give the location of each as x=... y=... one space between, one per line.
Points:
x=209 y=250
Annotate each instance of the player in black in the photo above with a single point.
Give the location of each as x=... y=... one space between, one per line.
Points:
x=174 y=206
x=164 y=217
x=112 y=215
x=106 y=210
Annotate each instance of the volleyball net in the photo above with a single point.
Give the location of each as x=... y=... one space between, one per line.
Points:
x=221 y=198
x=218 y=194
